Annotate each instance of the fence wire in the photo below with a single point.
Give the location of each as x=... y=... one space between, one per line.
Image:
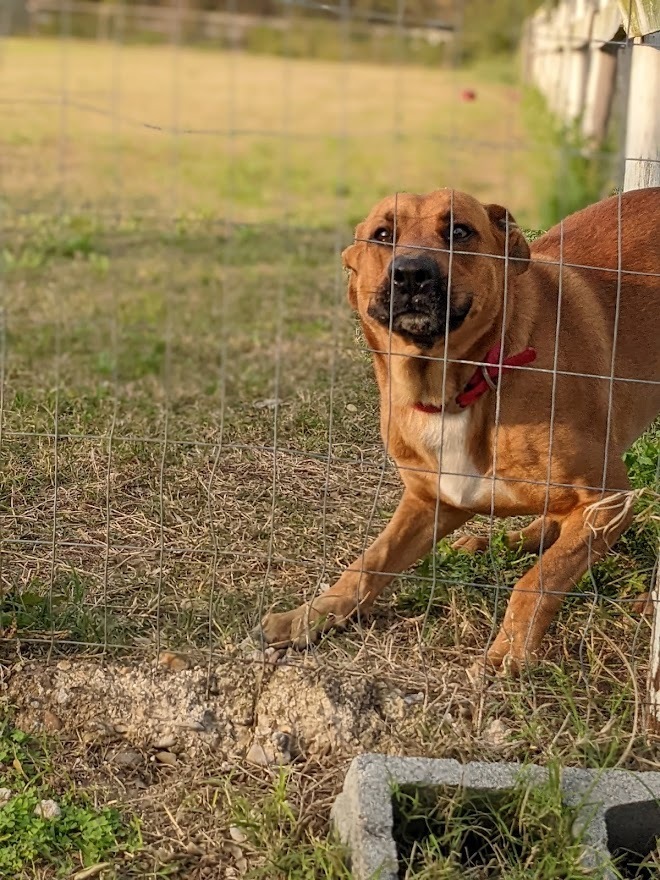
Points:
x=180 y=458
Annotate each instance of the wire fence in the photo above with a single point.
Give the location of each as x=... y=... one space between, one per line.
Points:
x=189 y=430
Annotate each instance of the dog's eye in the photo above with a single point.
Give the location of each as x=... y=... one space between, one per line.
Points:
x=460 y=232
x=382 y=234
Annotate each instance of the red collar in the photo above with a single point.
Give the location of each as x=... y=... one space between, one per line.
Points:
x=483 y=378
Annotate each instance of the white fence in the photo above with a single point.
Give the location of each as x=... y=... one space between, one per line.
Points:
x=579 y=52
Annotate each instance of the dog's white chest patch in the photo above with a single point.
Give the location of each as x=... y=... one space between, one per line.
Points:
x=460 y=483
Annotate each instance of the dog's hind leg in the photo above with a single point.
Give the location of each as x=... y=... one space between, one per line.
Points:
x=542 y=533
x=585 y=535
x=410 y=535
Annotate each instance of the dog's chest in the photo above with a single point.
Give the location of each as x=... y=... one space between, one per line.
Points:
x=446 y=437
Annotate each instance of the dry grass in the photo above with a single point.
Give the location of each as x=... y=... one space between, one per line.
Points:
x=122 y=338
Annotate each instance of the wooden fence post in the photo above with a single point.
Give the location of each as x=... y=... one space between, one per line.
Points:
x=643 y=125
x=653 y=688
x=600 y=92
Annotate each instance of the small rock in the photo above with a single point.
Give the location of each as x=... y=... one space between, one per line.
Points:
x=101 y=727
x=5 y=795
x=447 y=720
x=643 y=604
x=47 y=810
x=62 y=696
x=237 y=853
x=166 y=758
x=208 y=720
x=259 y=756
x=255 y=656
x=237 y=834
x=51 y=721
x=351 y=408
x=121 y=729
x=64 y=665
x=497 y=733
x=277 y=751
x=268 y=403
x=165 y=741
x=173 y=662
x=249 y=643
x=281 y=740
x=413 y=699
x=273 y=655
x=126 y=758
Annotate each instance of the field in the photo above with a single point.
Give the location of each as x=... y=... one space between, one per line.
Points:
x=189 y=435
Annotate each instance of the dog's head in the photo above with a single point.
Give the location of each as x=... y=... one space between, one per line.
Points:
x=426 y=266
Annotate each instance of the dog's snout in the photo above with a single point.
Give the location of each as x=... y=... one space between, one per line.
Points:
x=411 y=275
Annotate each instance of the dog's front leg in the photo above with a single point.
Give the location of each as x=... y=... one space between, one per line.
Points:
x=410 y=535
x=585 y=535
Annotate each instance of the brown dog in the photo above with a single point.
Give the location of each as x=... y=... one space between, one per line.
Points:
x=508 y=384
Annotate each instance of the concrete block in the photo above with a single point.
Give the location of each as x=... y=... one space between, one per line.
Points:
x=616 y=809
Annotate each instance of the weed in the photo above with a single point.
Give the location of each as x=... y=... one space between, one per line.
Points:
x=285 y=849
x=78 y=834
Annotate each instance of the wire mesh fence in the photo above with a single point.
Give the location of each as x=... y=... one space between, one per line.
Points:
x=190 y=428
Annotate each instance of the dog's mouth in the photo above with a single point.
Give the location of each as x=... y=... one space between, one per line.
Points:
x=424 y=325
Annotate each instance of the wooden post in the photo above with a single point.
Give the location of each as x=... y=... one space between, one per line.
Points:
x=643 y=125
x=653 y=699
x=577 y=64
x=14 y=18
x=600 y=94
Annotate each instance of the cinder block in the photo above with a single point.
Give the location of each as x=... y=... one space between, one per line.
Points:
x=616 y=809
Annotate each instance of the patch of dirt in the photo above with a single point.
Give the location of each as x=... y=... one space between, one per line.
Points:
x=290 y=711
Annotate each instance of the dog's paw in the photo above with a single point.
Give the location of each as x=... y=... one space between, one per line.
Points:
x=301 y=627
x=471 y=544
x=510 y=662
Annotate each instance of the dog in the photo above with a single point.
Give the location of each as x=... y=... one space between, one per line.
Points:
x=512 y=379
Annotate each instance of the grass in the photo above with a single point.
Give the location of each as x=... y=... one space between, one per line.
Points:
x=451 y=834
x=180 y=545
x=282 y=835
x=578 y=177
x=527 y=833
x=317 y=147
x=80 y=836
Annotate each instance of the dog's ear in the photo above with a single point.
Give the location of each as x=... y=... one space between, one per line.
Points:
x=518 y=249
x=349 y=262
x=349 y=257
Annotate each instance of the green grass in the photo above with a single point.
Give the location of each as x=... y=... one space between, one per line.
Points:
x=278 y=831
x=316 y=148
x=527 y=833
x=566 y=175
x=82 y=835
x=523 y=834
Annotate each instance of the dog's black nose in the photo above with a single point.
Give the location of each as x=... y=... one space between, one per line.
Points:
x=413 y=275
